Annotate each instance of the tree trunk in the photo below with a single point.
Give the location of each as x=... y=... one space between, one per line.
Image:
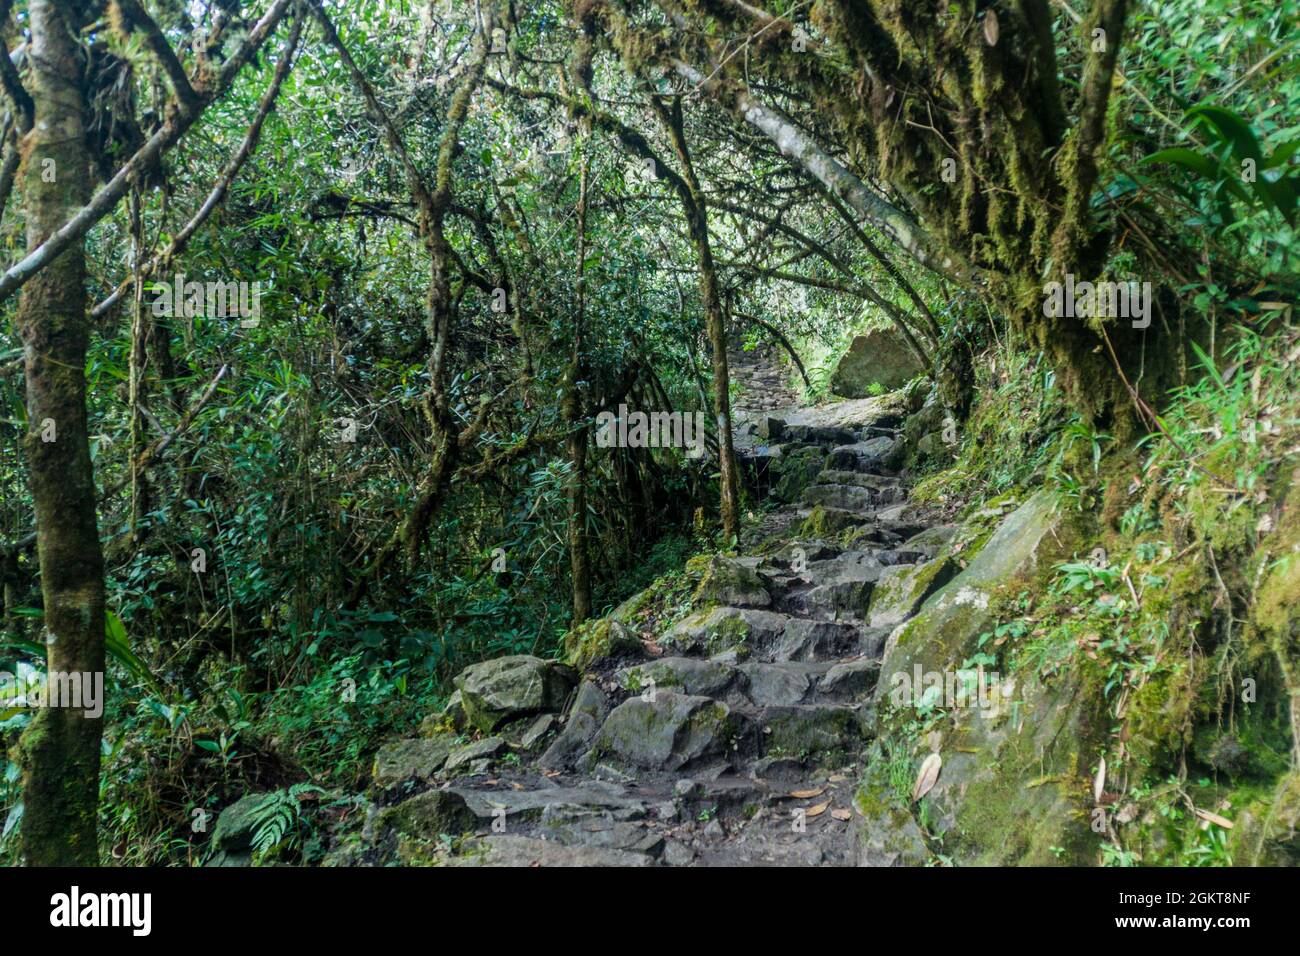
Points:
x=698 y=225
x=579 y=551
x=59 y=751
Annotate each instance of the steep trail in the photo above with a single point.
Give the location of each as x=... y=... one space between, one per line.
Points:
x=731 y=737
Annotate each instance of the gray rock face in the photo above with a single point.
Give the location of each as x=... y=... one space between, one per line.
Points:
x=880 y=358
x=943 y=632
x=777 y=683
x=903 y=588
x=418 y=759
x=538 y=729
x=499 y=690
x=730 y=581
x=848 y=680
x=670 y=732
x=470 y=753
x=590 y=708
x=860 y=456
x=684 y=674
x=231 y=843
x=520 y=851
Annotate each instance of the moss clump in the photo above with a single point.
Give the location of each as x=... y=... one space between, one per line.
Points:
x=597 y=640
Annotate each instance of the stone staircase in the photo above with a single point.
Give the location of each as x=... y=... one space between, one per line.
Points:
x=761 y=380
x=732 y=737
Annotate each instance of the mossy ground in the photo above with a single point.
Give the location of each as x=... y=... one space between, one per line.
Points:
x=1176 y=616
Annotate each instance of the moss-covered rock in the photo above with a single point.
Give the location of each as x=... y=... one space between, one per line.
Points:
x=415 y=826
x=902 y=588
x=231 y=843
x=450 y=720
x=945 y=631
x=880 y=359
x=819 y=732
x=401 y=760
x=796 y=470
x=732 y=582
x=1267 y=832
x=1015 y=784
x=689 y=675
x=670 y=731
x=597 y=640
x=885 y=833
x=505 y=688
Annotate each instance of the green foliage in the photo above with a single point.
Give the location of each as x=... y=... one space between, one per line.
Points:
x=277 y=821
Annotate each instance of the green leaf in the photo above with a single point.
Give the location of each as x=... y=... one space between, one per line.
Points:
x=1232 y=129
x=115 y=642
x=1203 y=166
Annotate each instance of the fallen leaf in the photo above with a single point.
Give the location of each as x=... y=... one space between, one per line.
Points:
x=837 y=778
x=807 y=794
x=991 y=28
x=840 y=813
x=1209 y=817
x=928 y=776
x=817 y=810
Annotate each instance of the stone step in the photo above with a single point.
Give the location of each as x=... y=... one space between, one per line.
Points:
x=733 y=635
x=755 y=683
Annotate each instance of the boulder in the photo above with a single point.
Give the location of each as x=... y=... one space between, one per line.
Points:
x=689 y=675
x=425 y=817
x=670 y=732
x=818 y=731
x=589 y=710
x=903 y=588
x=600 y=639
x=880 y=358
x=733 y=582
x=467 y=755
x=496 y=691
x=231 y=843
x=946 y=629
x=401 y=760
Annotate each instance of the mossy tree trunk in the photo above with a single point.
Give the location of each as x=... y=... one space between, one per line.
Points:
x=59 y=751
x=697 y=224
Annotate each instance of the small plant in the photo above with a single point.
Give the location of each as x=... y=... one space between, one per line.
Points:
x=276 y=821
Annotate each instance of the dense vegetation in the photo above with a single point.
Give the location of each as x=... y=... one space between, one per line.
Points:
x=474 y=227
